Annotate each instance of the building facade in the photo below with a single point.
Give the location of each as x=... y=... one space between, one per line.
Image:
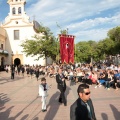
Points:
x=19 y=28
x=3 y=52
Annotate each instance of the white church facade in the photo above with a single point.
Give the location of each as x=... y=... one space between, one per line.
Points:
x=19 y=28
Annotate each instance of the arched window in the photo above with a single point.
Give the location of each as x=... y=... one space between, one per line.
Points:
x=19 y=10
x=13 y=11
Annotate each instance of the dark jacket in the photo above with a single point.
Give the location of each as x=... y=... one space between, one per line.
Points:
x=61 y=84
x=37 y=73
x=78 y=110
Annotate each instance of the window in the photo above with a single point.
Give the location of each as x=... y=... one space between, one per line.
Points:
x=16 y=22
x=19 y=10
x=16 y=34
x=2 y=46
x=13 y=11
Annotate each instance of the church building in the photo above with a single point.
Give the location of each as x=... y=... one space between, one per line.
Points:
x=17 y=28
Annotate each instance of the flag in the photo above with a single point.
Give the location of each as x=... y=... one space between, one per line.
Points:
x=67 y=48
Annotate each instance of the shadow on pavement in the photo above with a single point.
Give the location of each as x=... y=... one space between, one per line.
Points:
x=36 y=118
x=25 y=116
x=67 y=91
x=104 y=116
x=72 y=83
x=7 y=79
x=3 y=99
x=115 y=111
x=5 y=115
x=54 y=106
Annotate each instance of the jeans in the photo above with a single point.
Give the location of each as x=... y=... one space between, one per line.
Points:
x=107 y=84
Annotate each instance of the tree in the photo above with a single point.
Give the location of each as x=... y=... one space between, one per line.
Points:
x=81 y=51
x=114 y=34
x=105 y=48
x=86 y=51
x=43 y=46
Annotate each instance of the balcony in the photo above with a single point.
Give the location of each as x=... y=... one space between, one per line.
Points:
x=3 y=52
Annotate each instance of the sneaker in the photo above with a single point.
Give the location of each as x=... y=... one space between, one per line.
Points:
x=100 y=85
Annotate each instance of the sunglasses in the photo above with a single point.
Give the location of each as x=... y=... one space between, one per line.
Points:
x=87 y=93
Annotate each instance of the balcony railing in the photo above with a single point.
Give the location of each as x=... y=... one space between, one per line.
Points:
x=3 y=52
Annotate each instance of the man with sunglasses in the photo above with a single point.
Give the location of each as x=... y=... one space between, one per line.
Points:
x=82 y=108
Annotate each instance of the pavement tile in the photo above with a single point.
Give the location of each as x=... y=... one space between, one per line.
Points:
x=19 y=100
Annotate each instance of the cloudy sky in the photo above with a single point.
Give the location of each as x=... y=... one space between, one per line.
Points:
x=86 y=19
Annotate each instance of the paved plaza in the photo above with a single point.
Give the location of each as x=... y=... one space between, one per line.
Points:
x=19 y=100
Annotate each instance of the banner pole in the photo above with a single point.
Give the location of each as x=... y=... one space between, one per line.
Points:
x=58 y=43
x=75 y=52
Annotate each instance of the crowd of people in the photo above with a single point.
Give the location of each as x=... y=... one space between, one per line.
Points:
x=85 y=74
x=102 y=74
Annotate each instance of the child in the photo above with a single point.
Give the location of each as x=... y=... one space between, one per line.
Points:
x=43 y=87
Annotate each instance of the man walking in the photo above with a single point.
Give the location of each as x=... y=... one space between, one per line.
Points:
x=12 y=71
x=60 y=79
x=82 y=108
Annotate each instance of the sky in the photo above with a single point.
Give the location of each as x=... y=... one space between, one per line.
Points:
x=85 y=19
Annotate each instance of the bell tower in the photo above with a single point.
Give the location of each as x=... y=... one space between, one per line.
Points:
x=16 y=7
x=17 y=12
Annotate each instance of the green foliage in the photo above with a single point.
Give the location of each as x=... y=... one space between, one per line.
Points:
x=62 y=31
x=85 y=51
x=99 y=50
x=43 y=46
x=48 y=46
x=114 y=34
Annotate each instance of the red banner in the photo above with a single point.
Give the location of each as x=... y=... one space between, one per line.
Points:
x=67 y=48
